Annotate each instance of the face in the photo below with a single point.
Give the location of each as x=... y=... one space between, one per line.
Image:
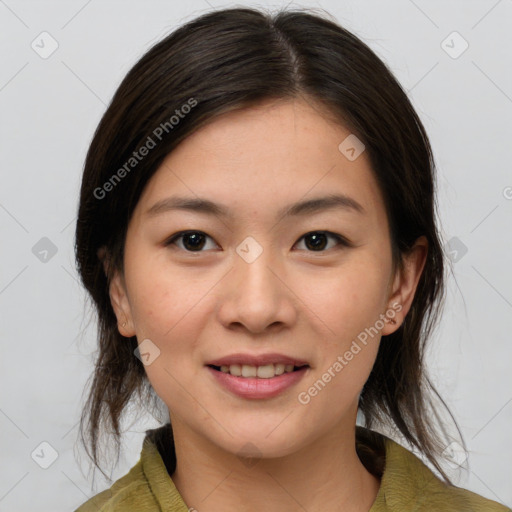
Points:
x=262 y=278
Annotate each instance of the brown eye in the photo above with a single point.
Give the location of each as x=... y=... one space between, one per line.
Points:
x=317 y=241
x=192 y=241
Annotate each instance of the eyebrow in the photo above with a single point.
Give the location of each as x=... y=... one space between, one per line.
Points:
x=205 y=206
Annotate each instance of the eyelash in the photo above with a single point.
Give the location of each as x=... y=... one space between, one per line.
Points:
x=341 y=240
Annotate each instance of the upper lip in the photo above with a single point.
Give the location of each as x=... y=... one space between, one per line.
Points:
x=257 y=360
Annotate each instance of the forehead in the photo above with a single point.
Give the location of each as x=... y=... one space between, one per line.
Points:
x=263 y=157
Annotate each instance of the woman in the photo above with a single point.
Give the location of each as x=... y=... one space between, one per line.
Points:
x=257 y=230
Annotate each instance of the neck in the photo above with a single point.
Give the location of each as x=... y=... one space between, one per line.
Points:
x=324 y=475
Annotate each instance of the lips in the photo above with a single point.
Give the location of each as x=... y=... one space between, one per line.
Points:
x=255 y=388
x=257 y=360
x=260 y=376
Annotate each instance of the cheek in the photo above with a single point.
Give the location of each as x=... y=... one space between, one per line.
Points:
x=170 y=307
x=167 y=310
x=346 y=304
x=163 y=299
x=345 y=300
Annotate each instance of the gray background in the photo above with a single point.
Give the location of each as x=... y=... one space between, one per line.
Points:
x=49 y=110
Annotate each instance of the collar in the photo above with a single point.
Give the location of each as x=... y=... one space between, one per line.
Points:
x=405 y=479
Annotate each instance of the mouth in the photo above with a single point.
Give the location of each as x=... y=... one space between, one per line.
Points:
x=267 y=371
x=264 y=381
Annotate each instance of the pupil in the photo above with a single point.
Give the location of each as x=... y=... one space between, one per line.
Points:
x=318 y=240
x=196 y=240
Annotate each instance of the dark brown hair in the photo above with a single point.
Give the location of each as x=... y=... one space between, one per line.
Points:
x=228 y=60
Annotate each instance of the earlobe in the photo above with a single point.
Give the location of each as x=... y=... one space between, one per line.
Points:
x=405 y=284
x=393 y=317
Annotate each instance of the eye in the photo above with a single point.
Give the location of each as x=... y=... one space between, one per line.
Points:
x=194 y=241
x=317 y=240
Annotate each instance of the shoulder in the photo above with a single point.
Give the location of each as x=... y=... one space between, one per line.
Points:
x=147 y=487
x=408 y=484
x=130 y=492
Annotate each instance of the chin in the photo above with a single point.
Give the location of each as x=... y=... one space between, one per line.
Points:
x=257 y=442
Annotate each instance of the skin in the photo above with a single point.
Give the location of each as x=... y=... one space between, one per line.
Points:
x=196 y=306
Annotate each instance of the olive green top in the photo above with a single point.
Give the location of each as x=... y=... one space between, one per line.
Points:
x=407 y=484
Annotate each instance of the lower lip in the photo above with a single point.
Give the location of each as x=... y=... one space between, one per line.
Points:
x=254 y=388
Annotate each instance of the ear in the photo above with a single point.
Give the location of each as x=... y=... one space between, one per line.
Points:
x=118 y=298
x=405 y=283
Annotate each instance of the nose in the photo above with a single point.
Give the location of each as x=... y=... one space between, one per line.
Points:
x=257 y=297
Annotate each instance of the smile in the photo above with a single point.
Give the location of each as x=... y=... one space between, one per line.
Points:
x=251 y=385
x=267 y=371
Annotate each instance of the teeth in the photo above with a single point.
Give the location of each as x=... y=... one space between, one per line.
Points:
x=234 y=369
x=262 y=372
x=265 y=372
x=249 y=371
x=279 y=369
